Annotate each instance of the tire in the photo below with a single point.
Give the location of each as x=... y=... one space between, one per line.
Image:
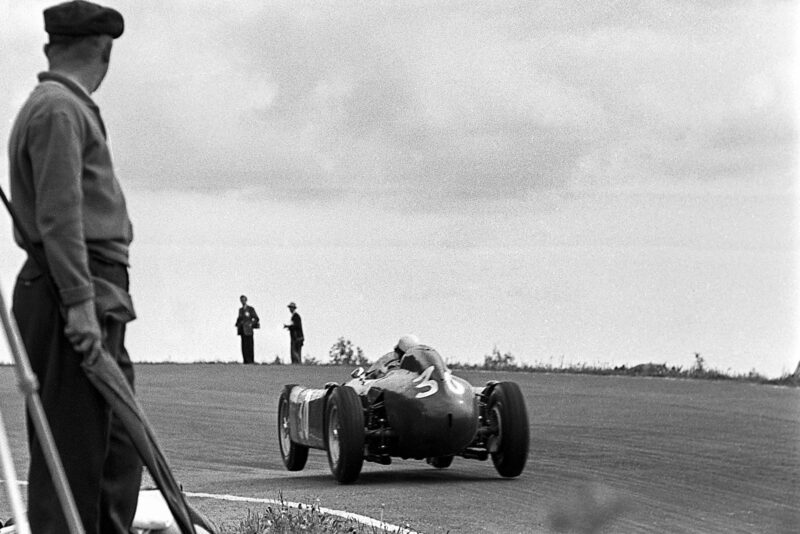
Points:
x=440 y=462
x=344 y=434
x=294 y=455
x=509 y=447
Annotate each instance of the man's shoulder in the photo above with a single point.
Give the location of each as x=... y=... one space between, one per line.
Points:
x=50 y=98
x=55 y=91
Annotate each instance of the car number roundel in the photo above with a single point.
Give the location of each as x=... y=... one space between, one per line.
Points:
x=430 y=387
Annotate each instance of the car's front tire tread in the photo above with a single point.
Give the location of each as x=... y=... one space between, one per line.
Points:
x=507 y=410
x=344 y=424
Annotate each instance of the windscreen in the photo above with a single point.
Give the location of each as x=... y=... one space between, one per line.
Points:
x=419 y=358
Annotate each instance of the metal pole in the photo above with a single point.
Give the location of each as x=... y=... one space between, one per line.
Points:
x=12 y=487
x=29 y=385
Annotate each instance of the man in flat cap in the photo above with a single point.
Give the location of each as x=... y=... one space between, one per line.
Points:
x=69 y=201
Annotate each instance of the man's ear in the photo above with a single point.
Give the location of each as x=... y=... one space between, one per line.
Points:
x=106 y=56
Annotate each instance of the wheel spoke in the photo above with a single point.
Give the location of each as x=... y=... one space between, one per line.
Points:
x=333 y=435
x=495 y=441
x=285 y=439
x=285 y=434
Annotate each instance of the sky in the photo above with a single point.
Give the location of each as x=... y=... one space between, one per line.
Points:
x=574 y=183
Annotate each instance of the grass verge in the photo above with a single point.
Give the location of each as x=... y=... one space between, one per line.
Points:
x=284 y=519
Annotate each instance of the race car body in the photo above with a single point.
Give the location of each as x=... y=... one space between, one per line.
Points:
x=415 y=409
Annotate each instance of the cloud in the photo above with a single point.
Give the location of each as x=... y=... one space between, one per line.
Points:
x=568 y=161
x=446 y=102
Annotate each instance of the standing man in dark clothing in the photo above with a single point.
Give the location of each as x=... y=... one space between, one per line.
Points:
x=68 y=199
x=245 y=323
x=295 y=334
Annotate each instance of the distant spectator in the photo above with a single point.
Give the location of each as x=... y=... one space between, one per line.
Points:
x=295 y=334
x=245 y=324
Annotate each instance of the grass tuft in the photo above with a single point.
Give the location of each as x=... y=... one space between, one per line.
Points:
x=283 y=519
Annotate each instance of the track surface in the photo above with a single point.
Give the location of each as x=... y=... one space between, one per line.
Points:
x=633 y=454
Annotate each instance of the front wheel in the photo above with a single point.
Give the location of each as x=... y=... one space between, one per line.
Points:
x=294 y=455
x=344 y=434
x=507 y=413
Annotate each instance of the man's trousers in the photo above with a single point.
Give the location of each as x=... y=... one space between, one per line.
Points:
x=101 y=464
x=295 y=349
x=248 y=352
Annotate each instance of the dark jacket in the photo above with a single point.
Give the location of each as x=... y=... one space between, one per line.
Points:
x=296 y=328
x=247 y=321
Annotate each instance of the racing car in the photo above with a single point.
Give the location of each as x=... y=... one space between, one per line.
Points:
x=415 y=408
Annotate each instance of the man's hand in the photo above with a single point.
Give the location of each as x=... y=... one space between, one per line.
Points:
x=82 y=329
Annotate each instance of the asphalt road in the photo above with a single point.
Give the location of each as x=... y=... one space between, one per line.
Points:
x=623 y=454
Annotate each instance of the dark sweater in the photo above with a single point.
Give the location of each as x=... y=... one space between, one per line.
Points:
x=63 y=186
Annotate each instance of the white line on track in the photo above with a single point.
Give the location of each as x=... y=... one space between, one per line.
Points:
x=364 y=520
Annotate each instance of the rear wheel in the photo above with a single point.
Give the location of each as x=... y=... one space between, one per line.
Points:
x=344 y=434
x=507 y=413
x=294 y=455
x=440 y=462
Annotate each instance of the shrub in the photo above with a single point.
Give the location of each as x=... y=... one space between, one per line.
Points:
x=495 y=360
x=343 y=353
x=311 y=360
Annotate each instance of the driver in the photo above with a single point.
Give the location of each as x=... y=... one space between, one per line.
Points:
x=391 y=360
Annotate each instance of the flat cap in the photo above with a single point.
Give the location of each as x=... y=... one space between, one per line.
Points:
x=80 y=18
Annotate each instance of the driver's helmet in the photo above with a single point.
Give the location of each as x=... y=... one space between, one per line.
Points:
x=405 y=343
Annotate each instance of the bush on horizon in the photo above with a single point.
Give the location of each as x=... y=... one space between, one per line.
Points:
x=507 y=362
x=343 y=353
